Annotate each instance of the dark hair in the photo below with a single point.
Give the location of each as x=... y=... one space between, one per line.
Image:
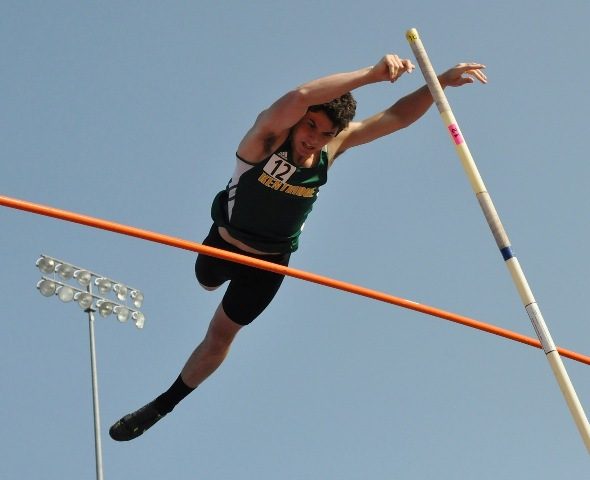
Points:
x=340 y=111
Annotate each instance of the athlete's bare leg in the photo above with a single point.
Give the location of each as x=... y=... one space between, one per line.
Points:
x=211 y=352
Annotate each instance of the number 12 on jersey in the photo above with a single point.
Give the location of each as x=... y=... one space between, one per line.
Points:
x=278 y=168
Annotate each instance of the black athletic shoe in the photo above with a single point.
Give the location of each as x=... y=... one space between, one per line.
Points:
x=133 y=425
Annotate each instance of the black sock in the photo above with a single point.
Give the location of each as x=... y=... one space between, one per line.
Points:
x=166 y=402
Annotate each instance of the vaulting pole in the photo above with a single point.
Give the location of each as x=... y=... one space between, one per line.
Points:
x=500 y=236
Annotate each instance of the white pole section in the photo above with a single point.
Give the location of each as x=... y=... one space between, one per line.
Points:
x=500 y=236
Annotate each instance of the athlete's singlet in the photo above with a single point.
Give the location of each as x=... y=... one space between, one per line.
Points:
x=265 y=205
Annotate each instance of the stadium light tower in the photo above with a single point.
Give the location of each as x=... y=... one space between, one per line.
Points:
x=58 y=279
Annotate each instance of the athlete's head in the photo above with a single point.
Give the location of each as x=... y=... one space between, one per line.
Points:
x=340 y=111
x=320 y=124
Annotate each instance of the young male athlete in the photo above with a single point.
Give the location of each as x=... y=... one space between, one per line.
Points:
x=280 y=165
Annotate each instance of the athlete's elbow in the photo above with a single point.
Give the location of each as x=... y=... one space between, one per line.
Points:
x=405 y=123
x=299 y=97
x=397 y=120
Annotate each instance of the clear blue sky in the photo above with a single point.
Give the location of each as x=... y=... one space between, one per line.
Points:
x=132 y=111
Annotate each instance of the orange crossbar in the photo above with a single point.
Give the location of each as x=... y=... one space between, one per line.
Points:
x=292 y=272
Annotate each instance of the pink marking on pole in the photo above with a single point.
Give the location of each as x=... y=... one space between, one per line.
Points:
x=455 y=133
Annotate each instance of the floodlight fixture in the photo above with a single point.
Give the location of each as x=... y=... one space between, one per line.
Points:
x=46 y=287
x=46 y=265
x=136 y=298
x=121 y=291
x=61 y=272
x=65 y=270
x=104 y=285
x=84 y=299
x=122 y=313
x=65 y=293
x=105 y=308
x=84 y=277
x=138 y=318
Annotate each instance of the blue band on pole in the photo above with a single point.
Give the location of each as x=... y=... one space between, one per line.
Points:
x=506 y=253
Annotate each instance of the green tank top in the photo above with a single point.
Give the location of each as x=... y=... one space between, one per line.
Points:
x=265 y=205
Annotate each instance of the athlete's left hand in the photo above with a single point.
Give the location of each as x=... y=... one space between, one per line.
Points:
x=463 y=73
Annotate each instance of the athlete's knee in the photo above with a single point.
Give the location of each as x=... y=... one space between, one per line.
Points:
x=221 y=333
x=208 y=288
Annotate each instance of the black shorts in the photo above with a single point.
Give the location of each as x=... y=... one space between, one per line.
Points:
x=250 y=289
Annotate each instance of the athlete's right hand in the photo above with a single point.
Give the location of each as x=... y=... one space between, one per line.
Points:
x=391 y=67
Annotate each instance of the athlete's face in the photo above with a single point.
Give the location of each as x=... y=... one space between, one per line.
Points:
x=312 y=133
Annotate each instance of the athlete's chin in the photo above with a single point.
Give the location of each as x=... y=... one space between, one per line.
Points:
x=306 y=151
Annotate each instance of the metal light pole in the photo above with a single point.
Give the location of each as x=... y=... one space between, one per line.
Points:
x=95 y=404
x=90 y=303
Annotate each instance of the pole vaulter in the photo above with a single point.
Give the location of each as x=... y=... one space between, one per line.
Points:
x=489 y=211
x=273 y=267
